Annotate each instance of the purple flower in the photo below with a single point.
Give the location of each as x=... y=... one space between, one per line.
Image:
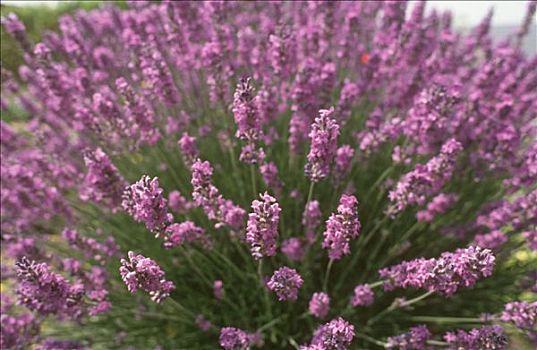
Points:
x=245 y=112
x=293 y=248
x=208 y=197
x=486 y=337
x=57 y=344
x=218 y=289
x=492 y=240
x=144 y=201
x=521 y=313
x=269 y=172
x=343 y=161
x=341 y=227
x=177 y=202
x=202 y=323
x=438 y=205
x=189 y=149
x=103 y=183
x=18 y=331
x=46 y=292
x=262 y=228
x=233 y=339
x=319 y=305
x=334 y=335
x=144 y=273
x=363 y=295
x=285 y=282
x=311 y=218
x=445 y=274
x=415 y=186
x=323 y=135
x=177 y=234
x=415 y=339
x=531 y=238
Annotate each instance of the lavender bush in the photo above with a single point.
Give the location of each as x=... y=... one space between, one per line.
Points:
x=278 y=175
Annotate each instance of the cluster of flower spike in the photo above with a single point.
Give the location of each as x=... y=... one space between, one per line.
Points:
x=445 y=274
x=139 y=272
x=433 y=130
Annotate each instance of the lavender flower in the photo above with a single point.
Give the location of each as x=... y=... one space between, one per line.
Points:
x=244 y=111
x=103 y=183
x=445 y=274
x=334 y=335
x=311 y=218
x=293 y=248
x=426 y=179
x=177 y=202
x=207 y=196
x=218 y=289
x=177 y=234
x=319 y=305
x=521 y=313
x=144 y=201
x=438 y=205
x=363 y=295
x=262 y=228
x=141 y=272
x=285 y=282
x=233 y=339
x=202 y=323
x=323 y=135
x=343 y=161
x=47 y=292
x=342 y=227
x=492 y=240
x=189 y=149
x=269 y=172
x=486 y=337
x=415 y=339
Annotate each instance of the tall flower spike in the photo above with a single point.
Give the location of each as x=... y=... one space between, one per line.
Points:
x=334 y=335
x=363 y=296
x=285 y=282
x=234 y=339
x=144 y=201
x=445 y=274
x=521 y=313
x=262 y=228
x=311 y=218
x=244 y=111
x=486 y=337
x=103 y=183
x=415 y=339
x=341 y=227
x=208 y=197
x=139 y=272
x=46 y=292
x=323 y=136
x=319 y=305
x=189 y=149
x=177 y=234
x=424 y=180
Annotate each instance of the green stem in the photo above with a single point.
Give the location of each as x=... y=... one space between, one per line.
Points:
x=371 y=340
x=437 y=343
x=310 y=192
x=395 y=306
x=262 y=284
x=327 y=274
x=440 y=319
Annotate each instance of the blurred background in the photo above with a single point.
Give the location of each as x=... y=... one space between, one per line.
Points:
x=39 y=16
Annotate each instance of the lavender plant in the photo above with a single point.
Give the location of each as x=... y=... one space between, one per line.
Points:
x=279 y=175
